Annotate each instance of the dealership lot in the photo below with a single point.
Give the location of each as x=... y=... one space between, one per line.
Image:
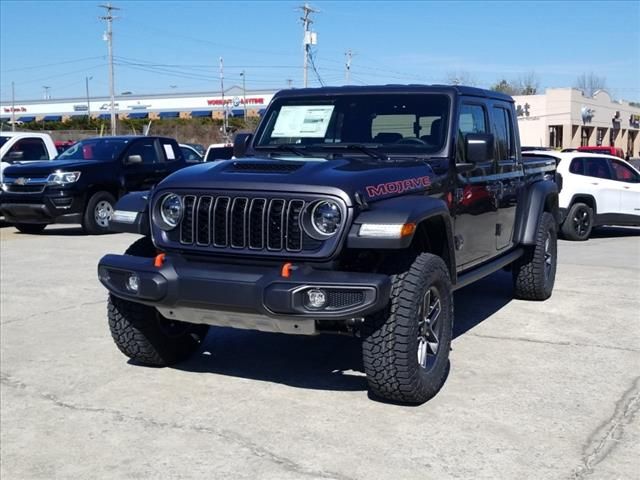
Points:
x=549 y=389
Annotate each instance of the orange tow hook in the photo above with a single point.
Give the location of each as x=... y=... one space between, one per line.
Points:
x=159 y=260
x=286 y=270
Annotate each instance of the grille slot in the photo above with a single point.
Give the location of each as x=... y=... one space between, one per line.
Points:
x=343 y=298
x=273 y=224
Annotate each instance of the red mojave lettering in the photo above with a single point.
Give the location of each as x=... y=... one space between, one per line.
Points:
x=399 y=186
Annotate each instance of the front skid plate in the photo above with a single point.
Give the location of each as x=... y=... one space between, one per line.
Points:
x=246 y=321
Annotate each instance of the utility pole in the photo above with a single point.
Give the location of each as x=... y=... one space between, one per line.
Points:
x=109 y=38
x=347 y=65
x=244 y=96
x=224 y=107
x=13 y=106
x=86 y=83
x=310 y=38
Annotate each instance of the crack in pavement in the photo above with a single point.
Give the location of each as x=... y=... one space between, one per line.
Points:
x=224 y=434
x=48 y=312
x=551 y=342
x=607 y=436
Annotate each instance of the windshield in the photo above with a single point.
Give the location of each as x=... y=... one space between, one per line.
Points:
x=104 y=149
x=409 y=124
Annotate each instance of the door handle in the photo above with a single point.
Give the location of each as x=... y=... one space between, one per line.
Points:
x=595 y=183
x=626 y=188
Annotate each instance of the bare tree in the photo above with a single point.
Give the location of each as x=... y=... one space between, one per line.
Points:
x=527 y=84
x=590 y=83
x=461 y=77
x=504 y=86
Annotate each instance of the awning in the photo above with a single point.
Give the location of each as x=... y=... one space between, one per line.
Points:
x=104 y=116
x=237 y=112
x=26 y=119
x=138 y=115
x=52 y=118
x=201 y=113
x=261 y=111
x=169 y=114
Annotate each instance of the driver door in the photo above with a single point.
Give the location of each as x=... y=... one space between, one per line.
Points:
x=144 y=175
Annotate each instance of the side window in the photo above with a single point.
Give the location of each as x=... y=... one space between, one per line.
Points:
x=31 y=148
x=596 y=167
x=190 y=156
x=170 y=152
x=623 y=173
x=472 y=119
x=577 y=166
x=504 y=133
x=146 y=149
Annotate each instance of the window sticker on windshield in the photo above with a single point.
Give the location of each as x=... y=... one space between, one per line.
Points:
x=308 y=121
x=168 y=149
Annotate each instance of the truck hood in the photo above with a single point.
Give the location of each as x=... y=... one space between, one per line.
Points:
x=44 y=168
x=344 y=177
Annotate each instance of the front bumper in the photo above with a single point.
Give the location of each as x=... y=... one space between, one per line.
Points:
x=54 y=207
x=242 y=296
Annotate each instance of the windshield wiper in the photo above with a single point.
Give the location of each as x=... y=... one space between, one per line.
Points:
x=284 y=148
x=366 y=149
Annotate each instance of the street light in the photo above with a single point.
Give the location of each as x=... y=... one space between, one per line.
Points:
x=244 y=96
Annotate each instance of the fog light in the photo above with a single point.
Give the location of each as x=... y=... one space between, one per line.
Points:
x=133 y=282
x=316 y=298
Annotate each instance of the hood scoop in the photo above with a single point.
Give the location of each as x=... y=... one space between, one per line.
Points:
x=264 y=167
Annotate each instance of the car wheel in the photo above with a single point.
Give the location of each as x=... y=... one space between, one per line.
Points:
x=32 y=228
x=406 y=347
x=579 y=222
x=534 y=273
x=98 y=213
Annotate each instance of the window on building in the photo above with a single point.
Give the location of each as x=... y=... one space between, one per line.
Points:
x=555 y=136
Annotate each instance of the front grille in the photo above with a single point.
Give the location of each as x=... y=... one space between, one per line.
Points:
x=14 y=188
x=338 y=299
x=272 y=224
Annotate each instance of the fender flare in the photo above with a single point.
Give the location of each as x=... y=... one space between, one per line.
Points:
x=399 y=211
x=131 y=214
x=534 y=200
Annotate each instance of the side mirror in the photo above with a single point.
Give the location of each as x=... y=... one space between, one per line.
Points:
x=478 y=147
x=241 y=144
x=15 y=156
x=133 y=159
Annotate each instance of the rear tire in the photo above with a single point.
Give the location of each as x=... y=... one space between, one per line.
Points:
x=406 y=347
x=97 y=214
x=579 y=222
x=32 y=228
x=143 y=335
x=534 y=273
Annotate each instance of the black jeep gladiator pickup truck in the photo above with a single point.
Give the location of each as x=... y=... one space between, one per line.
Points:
x=83 y=183
x=351 y=210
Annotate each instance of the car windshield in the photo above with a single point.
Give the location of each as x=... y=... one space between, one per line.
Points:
x=362 y=124
x=102 y=149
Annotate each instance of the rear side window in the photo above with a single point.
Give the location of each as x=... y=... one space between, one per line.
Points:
x=505 y=148
x=170 y=152
x=622 y=173
x=472 y=119
x=595 y=167
x=577 y=166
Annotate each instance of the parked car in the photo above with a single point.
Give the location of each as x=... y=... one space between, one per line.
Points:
x=344 y=214
x=596 y=190
x=218 y=151
x=197 y=147
x=62 y=145
x=190 y=154
x=531 y=149
x=84 y=182
x=614 y=151
x=16 y=147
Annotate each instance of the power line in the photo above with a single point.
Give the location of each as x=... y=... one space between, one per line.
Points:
x=33 y=67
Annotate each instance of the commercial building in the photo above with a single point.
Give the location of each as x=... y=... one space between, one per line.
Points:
x=565 y=118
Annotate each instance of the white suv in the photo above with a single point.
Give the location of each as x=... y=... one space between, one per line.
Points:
x=596 y=190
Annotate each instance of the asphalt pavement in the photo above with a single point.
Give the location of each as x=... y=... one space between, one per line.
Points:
x=544 y=390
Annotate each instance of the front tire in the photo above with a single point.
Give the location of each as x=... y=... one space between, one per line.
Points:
x=31 y=228
x=98 y=213
x=534 y=273
x=406 y=350
x=143 y=335
x=579 y=222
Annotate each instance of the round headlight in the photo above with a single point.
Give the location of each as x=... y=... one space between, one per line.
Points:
x=326 y=217
x=171 y=210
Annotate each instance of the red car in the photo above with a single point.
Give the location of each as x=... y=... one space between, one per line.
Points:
x=615 y=151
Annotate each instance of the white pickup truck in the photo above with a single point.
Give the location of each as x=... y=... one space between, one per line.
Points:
x=25 y=146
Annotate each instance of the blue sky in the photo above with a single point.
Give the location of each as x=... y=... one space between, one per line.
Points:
x=174 y=46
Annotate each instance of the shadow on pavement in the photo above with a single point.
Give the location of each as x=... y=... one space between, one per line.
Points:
x=614 y=232
x=325 y=362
